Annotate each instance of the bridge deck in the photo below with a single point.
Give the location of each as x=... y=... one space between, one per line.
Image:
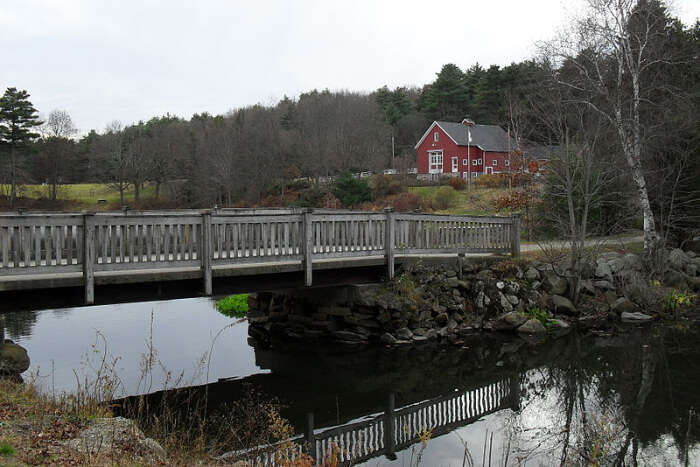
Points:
x=18 y=282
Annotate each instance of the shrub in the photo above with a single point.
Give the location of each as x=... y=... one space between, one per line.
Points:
x=540 y=315
x=385 y=185
x=458 y=183
x=492 y=181
x=675 y=301
x=351 y=191
x=311 y=197
x=235 y=306
x=445 y=197
x=6 y=450
x=406 y=202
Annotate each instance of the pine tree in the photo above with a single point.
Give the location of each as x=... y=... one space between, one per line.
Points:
x=17 y=119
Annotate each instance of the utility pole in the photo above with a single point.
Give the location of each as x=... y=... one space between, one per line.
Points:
x=469 y=160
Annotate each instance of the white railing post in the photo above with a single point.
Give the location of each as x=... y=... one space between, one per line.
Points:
x=206 y=251
x=88 y=256
x=515 y=236
x=308 y=246
x=389 y=232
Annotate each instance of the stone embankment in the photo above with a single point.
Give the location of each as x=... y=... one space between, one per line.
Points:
x=448 y=300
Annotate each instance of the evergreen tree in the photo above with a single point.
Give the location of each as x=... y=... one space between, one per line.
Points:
x=447 y=97
x=17 y=119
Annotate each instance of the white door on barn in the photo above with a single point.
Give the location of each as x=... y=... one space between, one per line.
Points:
x=455 y=165
x=435 y=162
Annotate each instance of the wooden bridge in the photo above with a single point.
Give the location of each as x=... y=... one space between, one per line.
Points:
x=44 y=250
x=394 y=430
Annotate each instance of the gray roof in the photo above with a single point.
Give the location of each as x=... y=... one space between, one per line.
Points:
x=487 y=137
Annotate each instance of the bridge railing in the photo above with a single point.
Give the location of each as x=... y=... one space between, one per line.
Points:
x=53 y=243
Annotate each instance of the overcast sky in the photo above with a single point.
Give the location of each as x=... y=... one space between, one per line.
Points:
x=134 y=59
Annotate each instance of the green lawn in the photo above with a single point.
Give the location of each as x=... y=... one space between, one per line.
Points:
x=478 y=201
x=83 y=193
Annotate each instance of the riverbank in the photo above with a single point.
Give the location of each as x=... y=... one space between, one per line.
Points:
x=450 y=299
x=69 y=430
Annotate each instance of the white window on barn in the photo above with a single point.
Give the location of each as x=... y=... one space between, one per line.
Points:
x=465 y=162
x=436 y=136
x=475 y=174
x=475 y=161
x=507 y=163
x=495 y=162
x=435 y=159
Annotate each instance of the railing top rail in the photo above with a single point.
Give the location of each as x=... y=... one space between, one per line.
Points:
x=256 y=218
x=447 y=217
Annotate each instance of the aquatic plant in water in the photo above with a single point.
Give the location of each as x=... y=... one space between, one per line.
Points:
x=235 y=306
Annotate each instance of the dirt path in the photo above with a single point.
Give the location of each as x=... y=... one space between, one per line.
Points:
x=597 y=241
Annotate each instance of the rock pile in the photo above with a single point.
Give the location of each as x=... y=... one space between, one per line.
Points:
x=424 y=303
x=448 y=300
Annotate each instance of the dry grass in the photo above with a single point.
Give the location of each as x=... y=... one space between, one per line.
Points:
x=36 y=427
x=478 y=201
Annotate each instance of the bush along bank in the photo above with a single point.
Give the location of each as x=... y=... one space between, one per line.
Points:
x=450 y=299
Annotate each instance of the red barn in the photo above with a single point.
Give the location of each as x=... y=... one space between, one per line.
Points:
x=461 y=149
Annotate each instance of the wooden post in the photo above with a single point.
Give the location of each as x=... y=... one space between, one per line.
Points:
x=515 y=393
x=308 y=245
x=206 y=251
x=89 y=256
x=389 y=442
x=309 y=436
x=389 y=240
x=515 y=236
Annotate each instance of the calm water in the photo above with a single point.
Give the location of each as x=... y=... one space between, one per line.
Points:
x=614 y=398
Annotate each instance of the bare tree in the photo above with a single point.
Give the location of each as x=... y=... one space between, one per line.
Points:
x=57 y=149
x=114 y=159
x=607 y=61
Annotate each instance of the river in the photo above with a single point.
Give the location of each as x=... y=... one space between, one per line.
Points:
x=629 y=396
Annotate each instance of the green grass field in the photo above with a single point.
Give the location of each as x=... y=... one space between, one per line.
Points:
x=478 y=201
x=85 y=194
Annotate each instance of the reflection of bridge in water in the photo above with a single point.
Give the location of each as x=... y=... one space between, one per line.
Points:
x=397 y=429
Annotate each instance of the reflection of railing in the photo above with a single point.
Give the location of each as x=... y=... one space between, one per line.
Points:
x=397 y=429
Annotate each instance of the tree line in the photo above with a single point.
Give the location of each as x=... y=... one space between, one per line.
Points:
x=620 y=87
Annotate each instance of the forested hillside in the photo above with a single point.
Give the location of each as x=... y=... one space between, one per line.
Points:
x=242 y=155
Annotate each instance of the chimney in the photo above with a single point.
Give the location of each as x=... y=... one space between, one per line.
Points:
x=467 y=122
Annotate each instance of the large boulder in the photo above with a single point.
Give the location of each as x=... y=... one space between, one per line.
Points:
x=349 y=337
x=623 y=305
x=678 y=259
x=532 y=326
x=676 y=279
x=563 y=305
x=505 y=303
x=532 y=274
x=404 y=334
x=557 y=285
x=603 y=271
x=636 y=317
x=509 y=321
x=632 y=262
x=387 y=338
x=13 y=358
x=114 y=435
